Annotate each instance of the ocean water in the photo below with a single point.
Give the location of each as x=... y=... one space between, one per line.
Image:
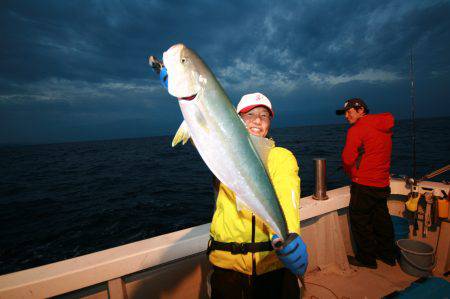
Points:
x=59 y=201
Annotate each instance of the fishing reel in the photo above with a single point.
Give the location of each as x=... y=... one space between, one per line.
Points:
x=410 y=182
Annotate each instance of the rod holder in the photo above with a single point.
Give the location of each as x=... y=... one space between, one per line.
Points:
x=320 y=191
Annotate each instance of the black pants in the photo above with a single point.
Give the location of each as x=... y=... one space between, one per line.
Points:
x=371 y=224
x=275 y=284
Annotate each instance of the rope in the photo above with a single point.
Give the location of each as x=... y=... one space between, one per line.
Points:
x=319 y=285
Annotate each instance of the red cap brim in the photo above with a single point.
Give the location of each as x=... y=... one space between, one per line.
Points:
x=247 y=109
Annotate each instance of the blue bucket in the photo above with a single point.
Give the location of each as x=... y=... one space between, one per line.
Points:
x=401 y=227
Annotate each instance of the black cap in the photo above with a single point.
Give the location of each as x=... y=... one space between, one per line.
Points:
x=353 y=103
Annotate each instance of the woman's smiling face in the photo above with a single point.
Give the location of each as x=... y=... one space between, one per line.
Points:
x=257 y=121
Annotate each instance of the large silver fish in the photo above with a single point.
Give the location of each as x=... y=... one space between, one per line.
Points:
x=235 y=157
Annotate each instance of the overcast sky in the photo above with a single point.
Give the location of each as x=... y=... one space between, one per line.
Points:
x=78 y=70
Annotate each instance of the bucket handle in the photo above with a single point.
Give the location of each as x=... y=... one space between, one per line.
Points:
x=414 y=252
x=417 y=266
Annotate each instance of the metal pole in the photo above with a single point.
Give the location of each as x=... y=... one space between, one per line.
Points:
x=320 y=192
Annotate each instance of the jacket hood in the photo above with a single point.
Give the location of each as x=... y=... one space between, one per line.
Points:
x=383 y=122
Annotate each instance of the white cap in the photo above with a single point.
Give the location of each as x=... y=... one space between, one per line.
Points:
x=252 y=100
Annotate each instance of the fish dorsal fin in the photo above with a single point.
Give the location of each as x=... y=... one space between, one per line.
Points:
x=263 y=147
x=182 y=134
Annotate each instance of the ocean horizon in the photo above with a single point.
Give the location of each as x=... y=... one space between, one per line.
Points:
x=172 y=133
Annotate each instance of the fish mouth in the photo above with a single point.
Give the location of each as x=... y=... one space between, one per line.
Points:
x=189 y=98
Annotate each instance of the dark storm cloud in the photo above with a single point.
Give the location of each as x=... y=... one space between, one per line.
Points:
x=86 y=61
x=346 y=37
x=101 y=39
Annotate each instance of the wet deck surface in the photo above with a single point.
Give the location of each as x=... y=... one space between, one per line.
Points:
x=358 y=282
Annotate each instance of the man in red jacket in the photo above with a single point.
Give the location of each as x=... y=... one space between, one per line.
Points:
x=366 y=159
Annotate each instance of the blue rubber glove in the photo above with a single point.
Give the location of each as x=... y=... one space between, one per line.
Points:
x=163 y=77
x=292 y=253
x=160 y=69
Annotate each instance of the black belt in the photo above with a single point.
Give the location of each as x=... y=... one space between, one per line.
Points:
x=239 y=248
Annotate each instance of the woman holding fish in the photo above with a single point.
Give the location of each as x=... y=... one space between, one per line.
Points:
x=244 y=260
x=255 y=247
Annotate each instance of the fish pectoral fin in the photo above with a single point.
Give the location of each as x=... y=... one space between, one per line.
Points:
x=182 y=134
x=262 y=146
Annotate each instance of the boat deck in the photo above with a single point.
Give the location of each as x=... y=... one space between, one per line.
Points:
x=357 y=282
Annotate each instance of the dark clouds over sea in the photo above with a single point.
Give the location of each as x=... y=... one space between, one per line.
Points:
x=78 y=70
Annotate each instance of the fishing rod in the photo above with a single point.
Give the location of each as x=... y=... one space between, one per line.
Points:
x=413 y=126
x=413 y=112
x=413 y=181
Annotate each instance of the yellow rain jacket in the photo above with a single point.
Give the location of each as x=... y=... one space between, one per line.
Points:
x=230 y=225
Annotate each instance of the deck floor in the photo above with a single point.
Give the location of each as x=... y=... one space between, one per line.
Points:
x=357 y=282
